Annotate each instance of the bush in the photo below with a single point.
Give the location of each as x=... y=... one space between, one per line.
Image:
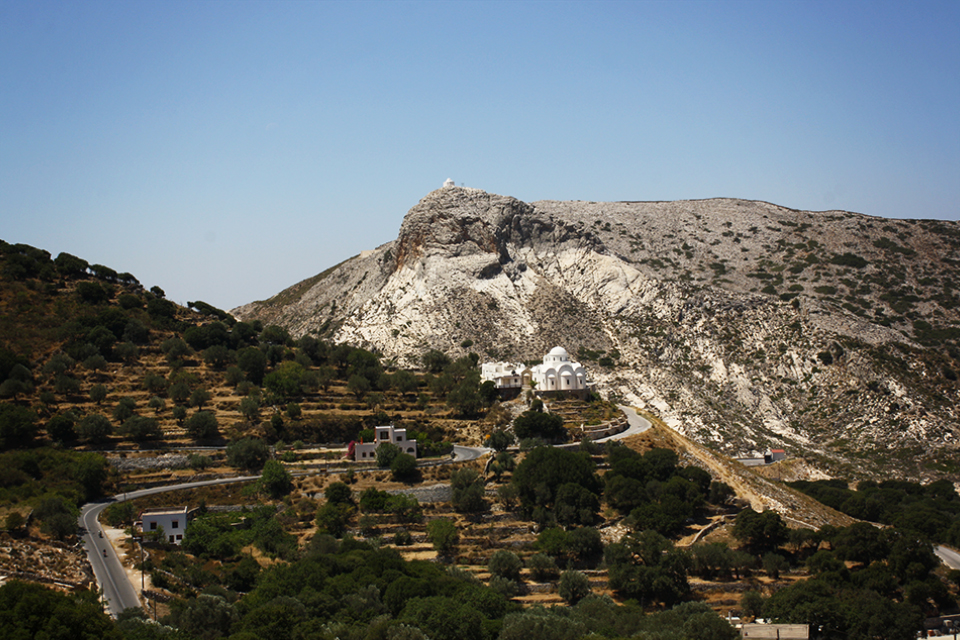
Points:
x=202 y=425
x=444 y=536
x=574 y=586
x=404 y=468
x=249 y=454
x=543 y=568
x=505 y=564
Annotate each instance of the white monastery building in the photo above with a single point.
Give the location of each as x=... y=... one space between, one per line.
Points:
x=557 y=373
x=368 y=450
x=172 y=521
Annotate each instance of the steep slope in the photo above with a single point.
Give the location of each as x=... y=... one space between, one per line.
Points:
x=743 y=324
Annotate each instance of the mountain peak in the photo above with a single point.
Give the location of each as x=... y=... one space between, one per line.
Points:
x=741 y=323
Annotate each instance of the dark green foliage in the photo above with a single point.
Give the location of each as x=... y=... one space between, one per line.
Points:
x=33 y=611
x=760 y=531
x=499 y=440
x=223 y=535
x=95 y=428
x=468 y=491
x=533 y=424
x=61 y=429
x=404 y=468
x=253 y=363
x=849 y=260
x=932 y=511
x=543 y=568
x=386 y=453
x=404 y=508
x=574 y=586
x=545 y=469
x=124 y=409
x=444 y=536
x=249 y=454
x=506 y=564
x=435 y=361
x=202 y=425
x=276 y=480
x=645 y=567
x=58 y=517
x=17 y=426
x=141 y=428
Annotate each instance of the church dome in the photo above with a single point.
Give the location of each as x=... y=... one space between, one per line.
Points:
x=559 y=351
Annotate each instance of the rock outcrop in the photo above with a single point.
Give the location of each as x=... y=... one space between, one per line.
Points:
x=743 y=324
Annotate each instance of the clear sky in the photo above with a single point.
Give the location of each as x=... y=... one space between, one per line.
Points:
x=226 y=150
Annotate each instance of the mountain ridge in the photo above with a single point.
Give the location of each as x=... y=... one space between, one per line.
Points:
x=744 y=324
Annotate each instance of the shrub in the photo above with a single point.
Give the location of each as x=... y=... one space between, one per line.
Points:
x=543 y=568
x=505 y=564
x=574 y=586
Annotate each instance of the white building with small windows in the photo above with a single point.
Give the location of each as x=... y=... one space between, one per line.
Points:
x=172 y=521
x=367 y=451
x=557 y=372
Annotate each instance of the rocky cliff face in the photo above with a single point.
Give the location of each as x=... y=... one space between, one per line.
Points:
x=743 y=324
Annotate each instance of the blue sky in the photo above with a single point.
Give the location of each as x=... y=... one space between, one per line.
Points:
x=226 y=150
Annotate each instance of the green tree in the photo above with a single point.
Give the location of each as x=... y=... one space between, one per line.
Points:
x=532 y=424
x=543 y=568
x=17 y=425
x=202 y=425
x=468 y=490
x=386 y=453
x=250 y=409
x=249 y=454
x=404 y=468
x=95 y=428
x=140 y=428
x=435 y=361
x=358 y=385
x=199 y=397
x=499 y=440
x=33 y=611
x=276 y=480
x=333 y=518
x=98 y=393
x=760 y=531
x=506 y=564
x=253 y=362
x=125 y=408
x=60 y=428
x=574 y=586
x=443 y=535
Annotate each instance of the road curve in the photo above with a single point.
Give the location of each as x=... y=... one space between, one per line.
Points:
x=948 y=556
x=118 y=592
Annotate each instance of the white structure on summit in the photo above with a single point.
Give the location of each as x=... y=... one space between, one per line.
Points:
x=368 y=450
x=557 y=373
x=449 y=183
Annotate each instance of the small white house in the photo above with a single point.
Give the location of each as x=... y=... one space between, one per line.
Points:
x=368 y=450
x=172 y=521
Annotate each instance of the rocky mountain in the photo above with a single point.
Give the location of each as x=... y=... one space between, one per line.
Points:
x=743 y=324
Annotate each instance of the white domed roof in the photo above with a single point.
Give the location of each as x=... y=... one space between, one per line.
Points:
x=559 y=351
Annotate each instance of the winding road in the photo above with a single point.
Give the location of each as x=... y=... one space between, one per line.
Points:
x=118 y=592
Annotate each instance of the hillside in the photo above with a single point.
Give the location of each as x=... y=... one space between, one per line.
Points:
x=742 y=324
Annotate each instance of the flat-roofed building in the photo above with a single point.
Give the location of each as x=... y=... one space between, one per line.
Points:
x=173 y=522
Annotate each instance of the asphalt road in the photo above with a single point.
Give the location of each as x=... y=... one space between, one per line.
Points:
x=638 y=424
x=949 y=557
x=118 y=592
